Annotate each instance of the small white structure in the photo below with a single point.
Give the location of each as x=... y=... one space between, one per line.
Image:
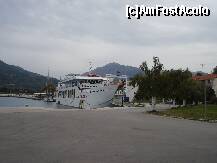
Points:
x=131 y=92
x=214 y=85
x=210 y=79
x=126 y=90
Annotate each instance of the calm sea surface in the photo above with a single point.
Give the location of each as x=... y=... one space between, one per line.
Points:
x=22 y=102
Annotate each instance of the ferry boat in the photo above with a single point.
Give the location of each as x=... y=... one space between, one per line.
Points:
x=86 y=91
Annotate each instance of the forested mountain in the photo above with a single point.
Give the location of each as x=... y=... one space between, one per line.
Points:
x=14 y=77
x=116 y=68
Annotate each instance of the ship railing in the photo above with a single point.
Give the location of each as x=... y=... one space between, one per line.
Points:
x=116 y=76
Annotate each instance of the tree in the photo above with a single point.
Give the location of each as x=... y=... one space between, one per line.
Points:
x=180 y=83
x=170 y=84
x=149 y=82
x=215 y=70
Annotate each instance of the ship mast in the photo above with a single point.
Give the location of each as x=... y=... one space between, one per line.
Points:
x=90 y=66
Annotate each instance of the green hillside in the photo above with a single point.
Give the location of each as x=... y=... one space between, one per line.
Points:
x=14 y=77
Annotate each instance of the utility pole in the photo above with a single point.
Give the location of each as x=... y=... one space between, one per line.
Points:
x=205 y=106
x=202 y=65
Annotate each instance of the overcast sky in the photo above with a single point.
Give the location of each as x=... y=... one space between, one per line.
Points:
x=65 y=35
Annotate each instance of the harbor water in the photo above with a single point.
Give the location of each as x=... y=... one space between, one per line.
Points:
x=13 y=102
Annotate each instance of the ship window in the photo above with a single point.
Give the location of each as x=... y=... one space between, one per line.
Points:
x=71 y=93
x=59 y=94
x=74 y=93
x=65 y=94
x=92 y=82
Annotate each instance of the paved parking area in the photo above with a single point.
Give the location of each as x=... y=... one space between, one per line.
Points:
x=66 y=136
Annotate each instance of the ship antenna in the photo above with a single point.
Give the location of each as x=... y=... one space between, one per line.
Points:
x=48 y=76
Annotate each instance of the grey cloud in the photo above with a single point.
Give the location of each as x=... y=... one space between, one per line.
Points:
x=66 y=34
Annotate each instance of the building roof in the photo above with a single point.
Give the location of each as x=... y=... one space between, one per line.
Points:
x=205 y=77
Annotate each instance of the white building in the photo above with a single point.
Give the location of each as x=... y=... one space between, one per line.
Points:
x=210 y=79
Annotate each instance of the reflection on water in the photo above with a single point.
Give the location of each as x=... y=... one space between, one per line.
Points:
x=22 y=102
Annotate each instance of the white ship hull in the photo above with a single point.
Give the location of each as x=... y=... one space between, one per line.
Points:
x=87 y=95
